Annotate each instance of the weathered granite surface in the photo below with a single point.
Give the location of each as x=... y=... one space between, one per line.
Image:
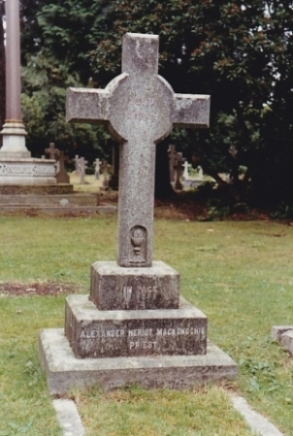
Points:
x=278 y=330
x=134 y=328
x=284 y=335
x=140 y=109
x=116 y=288
x=66 y=372
x=100 y=333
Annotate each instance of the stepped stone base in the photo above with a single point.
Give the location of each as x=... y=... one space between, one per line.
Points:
x=50 y=199
x=125 y=333
x=65 y=371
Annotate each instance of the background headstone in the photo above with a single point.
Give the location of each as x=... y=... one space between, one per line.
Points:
x=199 y=173
x=76 y=159
x=172 y=161
x=178 y=171
x=52 y=151
x=61 y=175
x=105 y=173
x=186 y=167
x=82 y=166
x=97 y=168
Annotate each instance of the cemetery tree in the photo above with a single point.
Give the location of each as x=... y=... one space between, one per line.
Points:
x=272 y=169
x=63 y=29
x=211 y=48
x=47 y=72
x=227 y=50
x=239 y=53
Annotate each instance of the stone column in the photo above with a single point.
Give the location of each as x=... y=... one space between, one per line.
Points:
x=13 y=130
x=17 y=167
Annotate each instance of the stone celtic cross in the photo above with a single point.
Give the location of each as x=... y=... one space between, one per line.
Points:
x=140 y=109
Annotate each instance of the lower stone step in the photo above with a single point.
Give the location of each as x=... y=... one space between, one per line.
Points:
x=56 y=209
x=49 y=199
x=66 y=372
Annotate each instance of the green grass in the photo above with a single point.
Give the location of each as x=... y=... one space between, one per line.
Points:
x=133 y=411
x=24 y=404
x=240 y=274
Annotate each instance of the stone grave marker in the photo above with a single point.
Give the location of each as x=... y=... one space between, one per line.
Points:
x=61 y=175
x=140 y=108
x=52 y=151
x=76 y=159
x=284 y=335
x=97 y=168
x=172 y=161
x=106 y=176
x=82 y=166
x=134 y=327
x=178 y=171
x=186 y=167
x=199 y=173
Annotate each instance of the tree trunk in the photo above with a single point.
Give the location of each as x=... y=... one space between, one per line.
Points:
x=163 y=187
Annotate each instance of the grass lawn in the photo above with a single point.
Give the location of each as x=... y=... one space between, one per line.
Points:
x=240 y=274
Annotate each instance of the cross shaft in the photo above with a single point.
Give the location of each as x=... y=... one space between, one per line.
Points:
x=140 y=109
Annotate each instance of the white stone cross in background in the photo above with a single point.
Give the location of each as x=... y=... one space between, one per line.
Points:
x=140 y=109
x=97 y=168
x=186 y=167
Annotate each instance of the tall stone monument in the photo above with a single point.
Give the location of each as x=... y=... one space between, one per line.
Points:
x=134 y=327
x=16 y=165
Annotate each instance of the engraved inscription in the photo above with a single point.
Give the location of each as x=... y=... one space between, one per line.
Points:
x=147 y=289
x=143 y=345
x=127 y=293
x=29 y=170
x=197 y=331
x=140 y=332
x=130 y=339
x=140 y=295
x=131 y=333
x=93 y=334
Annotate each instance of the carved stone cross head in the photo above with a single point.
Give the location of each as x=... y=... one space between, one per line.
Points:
x=140 y=109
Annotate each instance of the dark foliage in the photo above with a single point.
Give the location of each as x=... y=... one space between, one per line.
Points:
x=239 y=52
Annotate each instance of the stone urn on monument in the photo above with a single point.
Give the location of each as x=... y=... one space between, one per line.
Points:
x=134 y=327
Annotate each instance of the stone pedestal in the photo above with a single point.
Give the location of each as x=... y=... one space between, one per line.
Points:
x=117 y=288
x=132 y=328
x=27 y=171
